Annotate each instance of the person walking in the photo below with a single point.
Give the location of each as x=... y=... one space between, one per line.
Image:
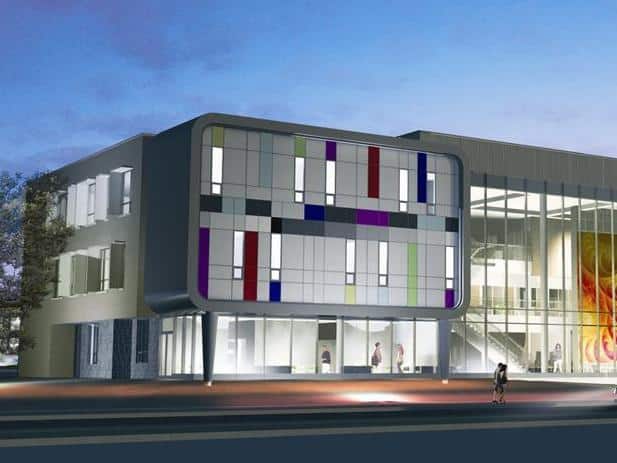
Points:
x=400 y=357
x=495 y=373
x=557 y=359
x=376 y=357
x=500 y=380
x=326 y=360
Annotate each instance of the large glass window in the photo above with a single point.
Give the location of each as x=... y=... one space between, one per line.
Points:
x=403 y=347
x=304 y=346
x=380 y=344
x=278 y=345
x=478 y=250
x=426 y=347
x=355 y=349
x=251 y=345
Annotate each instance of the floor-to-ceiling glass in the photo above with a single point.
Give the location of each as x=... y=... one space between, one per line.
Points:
x=542 y=281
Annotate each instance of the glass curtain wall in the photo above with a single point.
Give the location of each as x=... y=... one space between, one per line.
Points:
x=270 y=346
x=542 y=280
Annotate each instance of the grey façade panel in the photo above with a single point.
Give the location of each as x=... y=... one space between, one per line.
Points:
x=171 y=300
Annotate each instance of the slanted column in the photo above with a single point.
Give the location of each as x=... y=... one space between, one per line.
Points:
x=208 y=336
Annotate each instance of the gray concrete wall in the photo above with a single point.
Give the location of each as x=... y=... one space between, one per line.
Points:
x=103 y=368
x=151 y=368
x=114 y=303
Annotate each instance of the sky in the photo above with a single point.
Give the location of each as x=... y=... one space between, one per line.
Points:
x=78 y=76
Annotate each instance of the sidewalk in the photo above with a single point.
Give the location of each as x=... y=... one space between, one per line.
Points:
x=64 y=396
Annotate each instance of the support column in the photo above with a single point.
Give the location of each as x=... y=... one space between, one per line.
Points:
x=340 y=345
x=208 y=343
x=443 y=348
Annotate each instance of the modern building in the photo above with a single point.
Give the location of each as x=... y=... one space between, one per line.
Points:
x=232 y=247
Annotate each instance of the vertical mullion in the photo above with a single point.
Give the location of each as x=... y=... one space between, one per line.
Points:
x=506 y=282
x=527 y=290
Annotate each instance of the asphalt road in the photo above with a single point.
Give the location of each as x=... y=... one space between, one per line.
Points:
x=70 y=414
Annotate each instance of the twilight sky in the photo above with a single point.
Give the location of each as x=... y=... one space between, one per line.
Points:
x=77 y=76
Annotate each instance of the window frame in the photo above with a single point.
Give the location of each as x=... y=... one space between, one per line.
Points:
x=237 y=261
x=276 y=257
x=125 y=202
x=299 y=177
x=350 y=262
x=142 y=341
x=431 y=193
x=105 y=268
x=93 y=343
x=216 y=170
x=330 y=182
x=91 y=203
x=403 y=190
x=382 y=262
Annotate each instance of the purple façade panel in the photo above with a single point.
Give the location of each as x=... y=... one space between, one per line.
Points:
x=203 y=262
x=330 y=151
x=368 y=217
x=449 y=298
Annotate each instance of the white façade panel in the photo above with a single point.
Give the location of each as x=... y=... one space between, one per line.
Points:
x=346 y=178
x=335 y=254
x=388 y=183
x=315 y=176
x=64 y=273
x=71 y=204
x=221 y=244
x=292 y=255
x=102 y=197
x=81 y=204
x=234 y=167
x=436 y=261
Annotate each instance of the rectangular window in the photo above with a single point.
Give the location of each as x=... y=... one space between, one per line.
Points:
x=141 y=346
x=299 y=180
x=275 y=257
x=383 y=263
x=217 y=170
x=403 y=189
x=430 y=193
x=330 y=182
x=61 y=203
x=126 y=192
x=238 y=256
x=93 y=343
x=104 y=258
x=449 y=267
x=91 y=202
x=56 y=280
x=350 y=262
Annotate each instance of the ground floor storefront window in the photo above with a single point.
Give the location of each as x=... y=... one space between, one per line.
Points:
x=269 y=346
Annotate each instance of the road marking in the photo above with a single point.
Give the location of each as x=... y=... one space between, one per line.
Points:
x=194 y=436
x=228 y=412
